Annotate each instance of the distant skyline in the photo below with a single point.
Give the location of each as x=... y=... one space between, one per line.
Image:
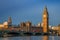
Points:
x=29 y=10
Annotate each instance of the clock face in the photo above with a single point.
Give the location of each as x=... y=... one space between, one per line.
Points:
x=44 y=15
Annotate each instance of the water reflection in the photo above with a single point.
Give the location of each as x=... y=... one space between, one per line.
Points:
x=5 y=39
x=27 y=38
x=45 y=37
x=32 y=38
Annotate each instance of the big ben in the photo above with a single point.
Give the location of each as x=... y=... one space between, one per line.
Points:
x=45 y=20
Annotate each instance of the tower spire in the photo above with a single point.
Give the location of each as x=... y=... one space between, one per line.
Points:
x=45 y=20
x=9 y=21
x=45 y=10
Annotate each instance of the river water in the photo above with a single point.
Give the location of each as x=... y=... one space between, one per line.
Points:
x=30 y=38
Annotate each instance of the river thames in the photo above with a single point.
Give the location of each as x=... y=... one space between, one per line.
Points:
x=30 y=38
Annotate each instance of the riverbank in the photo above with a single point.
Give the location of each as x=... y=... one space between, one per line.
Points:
x=25 y=34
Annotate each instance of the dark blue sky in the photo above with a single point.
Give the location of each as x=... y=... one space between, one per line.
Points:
x=29 y=10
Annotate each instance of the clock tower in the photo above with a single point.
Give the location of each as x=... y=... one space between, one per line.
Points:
x=45 y=20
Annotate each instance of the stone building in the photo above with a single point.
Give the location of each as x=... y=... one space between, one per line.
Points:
x=25 y=26
x=9 y=21
x=28 y=25
x=36 y=29
x=45 y=20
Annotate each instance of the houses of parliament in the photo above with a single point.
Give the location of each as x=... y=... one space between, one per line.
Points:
x=28 y=27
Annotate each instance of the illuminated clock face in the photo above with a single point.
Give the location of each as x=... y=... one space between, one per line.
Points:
x=44 y=15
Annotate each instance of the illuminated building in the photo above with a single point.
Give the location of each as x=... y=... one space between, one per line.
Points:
x=1 y=26
x=5 y=24
x=45 y=20
x=39 y=24
x=28 y=25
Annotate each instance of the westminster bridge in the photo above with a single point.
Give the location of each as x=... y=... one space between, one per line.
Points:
x=17 y=32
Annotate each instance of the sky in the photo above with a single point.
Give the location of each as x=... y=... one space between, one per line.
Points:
x=29 y=10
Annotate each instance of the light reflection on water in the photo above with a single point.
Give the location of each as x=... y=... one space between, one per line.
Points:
x=32 y=38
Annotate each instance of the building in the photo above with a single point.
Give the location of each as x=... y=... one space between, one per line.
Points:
x=36 y=29
x=39 y=24
x=9 y=21
x=45 y=20
x=23 y=26
x=55 y=28
x=59 y=27
x=4 y=25
x=1 y=26
x=28 y=25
